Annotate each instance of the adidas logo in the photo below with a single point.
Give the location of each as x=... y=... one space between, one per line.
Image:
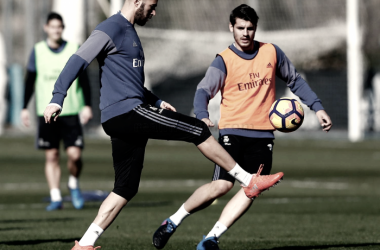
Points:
x=134 y=44
x=269 y=65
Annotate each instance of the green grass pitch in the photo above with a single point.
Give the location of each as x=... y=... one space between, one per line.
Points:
x=329 y=199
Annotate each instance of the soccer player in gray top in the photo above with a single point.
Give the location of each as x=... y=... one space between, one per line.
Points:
x=131 y=114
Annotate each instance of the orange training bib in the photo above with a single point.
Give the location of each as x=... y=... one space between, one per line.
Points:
x=249 y=89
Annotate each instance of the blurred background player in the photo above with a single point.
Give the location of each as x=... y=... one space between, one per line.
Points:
x=245 y=74
x=47 y=60
x=131 y=114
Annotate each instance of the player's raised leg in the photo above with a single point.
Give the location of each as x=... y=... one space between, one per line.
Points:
x=74 y=164
x=53 y=176
x=163 y=124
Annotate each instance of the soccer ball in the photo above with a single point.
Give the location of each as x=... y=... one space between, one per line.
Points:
x=286 y=114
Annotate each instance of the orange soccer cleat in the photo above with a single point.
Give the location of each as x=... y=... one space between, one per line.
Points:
x=77 y=247
x=260 y=183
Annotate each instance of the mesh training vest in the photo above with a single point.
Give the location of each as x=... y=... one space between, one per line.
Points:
x=48 y=66
x=249 y=89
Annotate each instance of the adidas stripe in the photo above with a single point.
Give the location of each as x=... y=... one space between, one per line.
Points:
x=168 y=121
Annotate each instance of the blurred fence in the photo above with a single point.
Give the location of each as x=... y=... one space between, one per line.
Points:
x=183 y=38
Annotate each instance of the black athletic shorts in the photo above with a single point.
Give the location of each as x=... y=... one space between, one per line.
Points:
x=249 y=153
x=66 y=128
x=130 y=132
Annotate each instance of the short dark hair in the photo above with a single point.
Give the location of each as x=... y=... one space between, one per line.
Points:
x=244 y=12
x=54 y=15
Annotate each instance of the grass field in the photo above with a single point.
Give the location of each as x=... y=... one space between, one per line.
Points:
x=329 y=199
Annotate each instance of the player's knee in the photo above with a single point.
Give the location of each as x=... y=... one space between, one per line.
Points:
x=52 y=155
x=74 y=154
x=126 y=192
x=220 y=188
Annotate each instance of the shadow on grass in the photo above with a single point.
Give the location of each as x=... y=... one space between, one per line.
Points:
x=12 y=228
x=149 y=203
x=35 y=242
x=38 y=220
x=325 y=246
x=96 y=205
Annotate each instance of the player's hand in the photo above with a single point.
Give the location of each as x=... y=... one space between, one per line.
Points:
x=165 y=105
x=324 y=120
x=50 y=111
x=25 y=117
x=208 y=122
x=85 y=115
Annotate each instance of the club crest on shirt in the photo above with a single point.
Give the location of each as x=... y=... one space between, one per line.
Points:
x=226 y=140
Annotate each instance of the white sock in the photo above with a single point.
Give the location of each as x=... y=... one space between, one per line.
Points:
x=180 y=215
x=217 y=230
x=91 y=235
x=73 y=182
x=55 y=194
x=241 y=175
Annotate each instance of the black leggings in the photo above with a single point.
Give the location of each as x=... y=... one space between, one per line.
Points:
x=130 y=132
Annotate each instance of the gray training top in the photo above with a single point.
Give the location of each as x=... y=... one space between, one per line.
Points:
x=117 y=47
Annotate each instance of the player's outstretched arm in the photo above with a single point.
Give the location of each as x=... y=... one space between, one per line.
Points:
x=50 y=110
x=324 y=120
x=165 y=105
x=97 y=42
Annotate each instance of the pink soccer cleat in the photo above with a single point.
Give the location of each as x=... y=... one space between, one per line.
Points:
x=77 y=247
x=260 y=183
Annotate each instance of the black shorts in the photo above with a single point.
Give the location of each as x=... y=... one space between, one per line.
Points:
x=249 y=153
x=130 y=132
x=66 y=128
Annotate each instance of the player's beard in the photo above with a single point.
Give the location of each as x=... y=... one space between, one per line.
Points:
x=140 y=19
x=241 y=45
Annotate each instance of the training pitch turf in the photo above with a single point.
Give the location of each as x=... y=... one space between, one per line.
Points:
x=329 y=199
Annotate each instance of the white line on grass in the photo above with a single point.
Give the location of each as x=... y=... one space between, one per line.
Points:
x=39 y=206
x=168 y=184
x=319 y=185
